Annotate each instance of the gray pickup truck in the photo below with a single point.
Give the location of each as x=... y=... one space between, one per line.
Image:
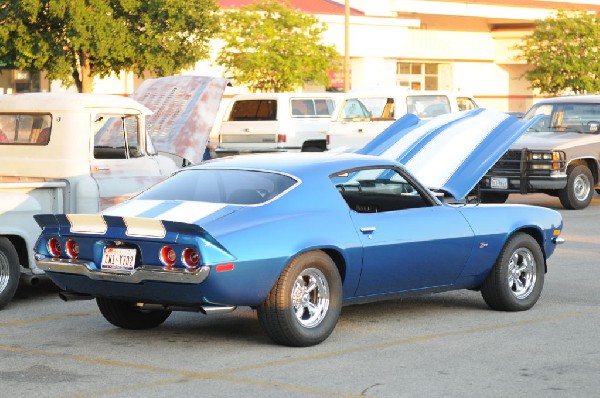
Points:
x=559 y=155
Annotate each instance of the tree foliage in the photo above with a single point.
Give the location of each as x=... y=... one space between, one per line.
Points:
x=564 y=53
x=270 y=47
x=86 y=38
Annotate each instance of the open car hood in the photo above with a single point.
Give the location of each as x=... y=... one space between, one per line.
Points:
x=184 y=111
x=451 y=152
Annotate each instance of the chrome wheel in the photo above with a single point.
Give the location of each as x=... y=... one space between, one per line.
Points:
x=521 y=273
x=310 y=297
x=581 y=187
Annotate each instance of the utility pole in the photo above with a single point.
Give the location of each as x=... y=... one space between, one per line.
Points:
x=347 y=47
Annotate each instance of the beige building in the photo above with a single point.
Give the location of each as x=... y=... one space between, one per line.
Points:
x=464 y=46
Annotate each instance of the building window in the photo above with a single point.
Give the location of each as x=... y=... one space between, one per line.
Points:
x=417 y=76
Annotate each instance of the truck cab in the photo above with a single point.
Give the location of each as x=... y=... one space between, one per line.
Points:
x=362 y=114
x=66 y=153
x=559 y=155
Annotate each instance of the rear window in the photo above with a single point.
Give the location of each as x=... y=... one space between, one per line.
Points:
x=425 y=106
x=25 y=129
x=244 y=110
x=309 y=107
x=243 y=187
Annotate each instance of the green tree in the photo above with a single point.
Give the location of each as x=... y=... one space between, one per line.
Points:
x=270 y=47
x=86 y=38
x=564 y=53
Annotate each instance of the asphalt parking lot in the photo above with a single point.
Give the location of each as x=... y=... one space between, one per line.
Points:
x=447 y=344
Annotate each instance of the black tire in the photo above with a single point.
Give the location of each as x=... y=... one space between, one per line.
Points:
x=494 y=197
x=578 y=193
x=9 y=271
x=522 y=257
x=289 y=322
x=126 y=315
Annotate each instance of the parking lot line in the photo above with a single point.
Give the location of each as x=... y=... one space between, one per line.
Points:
x=226 y=374
x=47 y=318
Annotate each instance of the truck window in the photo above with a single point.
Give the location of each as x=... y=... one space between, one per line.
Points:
x=425 y=106
x=116 y=137
x=25 y=129
x=244 y=110
x=466 y=103
x=309 y=107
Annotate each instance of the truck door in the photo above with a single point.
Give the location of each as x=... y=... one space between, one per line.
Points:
x=120 y=161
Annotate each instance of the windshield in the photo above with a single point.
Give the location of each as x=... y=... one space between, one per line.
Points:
x=244 y=187
x=583 y=118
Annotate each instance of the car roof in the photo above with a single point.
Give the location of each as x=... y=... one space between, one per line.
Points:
x=49 y=102
x=298 y=164
x=590 y=99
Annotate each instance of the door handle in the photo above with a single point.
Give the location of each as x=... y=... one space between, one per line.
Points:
x=367 y=230
x=102 y=169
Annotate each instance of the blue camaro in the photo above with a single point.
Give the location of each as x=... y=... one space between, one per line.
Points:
x=297 y=236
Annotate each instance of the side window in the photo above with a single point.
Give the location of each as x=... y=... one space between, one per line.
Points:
x=116 y=137
x=376 y=190
x=466 y=104
x=303 y=107
x=25 y=129
x=324 y=107
x=355 y=109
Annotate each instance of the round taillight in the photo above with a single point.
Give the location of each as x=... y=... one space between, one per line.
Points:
x=190 y=258
x=167 y=256
x=54 y=247
x=72 y=248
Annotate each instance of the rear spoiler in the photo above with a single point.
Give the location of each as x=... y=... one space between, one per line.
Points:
x=98 y=225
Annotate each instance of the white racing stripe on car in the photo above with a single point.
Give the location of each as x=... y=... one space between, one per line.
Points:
x=190 y=212
x=87 y=223
x=144 y=227
x=132 y=207
x=403 y=144
x=452 y=148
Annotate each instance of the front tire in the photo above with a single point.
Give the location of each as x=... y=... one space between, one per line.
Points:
x=127 y=315
x=9 y=272
x=303 y=307
x=515 y=282
x=578 y=193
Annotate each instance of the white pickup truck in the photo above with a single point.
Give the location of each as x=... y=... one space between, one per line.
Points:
x=82 y=153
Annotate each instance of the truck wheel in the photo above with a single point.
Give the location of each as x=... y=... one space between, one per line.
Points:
x=9 y=271
x=494 y=197
x=303 y=307
x=515 y=282
x=578 y=192
x=126 y=315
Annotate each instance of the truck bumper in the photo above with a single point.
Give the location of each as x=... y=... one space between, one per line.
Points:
x=526 y=185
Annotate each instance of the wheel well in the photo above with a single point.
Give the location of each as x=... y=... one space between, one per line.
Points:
x=339 y=261
x=21 y=248
x=537 y=235
x=591 y=164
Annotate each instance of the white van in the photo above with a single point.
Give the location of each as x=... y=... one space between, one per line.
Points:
x=272 y=122
x=362 y=114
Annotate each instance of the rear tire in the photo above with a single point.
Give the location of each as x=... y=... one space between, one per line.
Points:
x=126 y=315
x=303 y=307
x=515 y=282
x=9 y=271
x=578 y=193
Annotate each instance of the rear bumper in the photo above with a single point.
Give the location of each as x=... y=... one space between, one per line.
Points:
x=141 y=274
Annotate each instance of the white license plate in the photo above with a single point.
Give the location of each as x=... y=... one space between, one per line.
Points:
x=499 y=182
x=118 y=259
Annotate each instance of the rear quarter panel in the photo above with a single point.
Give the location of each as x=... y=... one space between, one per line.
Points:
x=264 y=239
